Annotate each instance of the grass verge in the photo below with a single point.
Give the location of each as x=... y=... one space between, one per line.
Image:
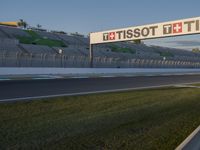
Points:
x=145 y=119
x=37 y=40
x=165 y=54
x=115 y=48
x=196 y=85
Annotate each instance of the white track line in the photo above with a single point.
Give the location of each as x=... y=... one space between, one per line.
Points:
x=188 y=139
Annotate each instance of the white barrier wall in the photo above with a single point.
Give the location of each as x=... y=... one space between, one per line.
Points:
x=91 y=71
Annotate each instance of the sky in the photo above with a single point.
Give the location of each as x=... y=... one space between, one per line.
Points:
x=86 y=16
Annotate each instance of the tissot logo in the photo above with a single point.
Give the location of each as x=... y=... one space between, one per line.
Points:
x=167 y=29
x=105 y=37
x=177 y=27
x=173 y=28
x=130 y=33
x=109 y=36
x=112 y=36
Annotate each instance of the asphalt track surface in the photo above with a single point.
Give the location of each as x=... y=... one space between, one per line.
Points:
x=35 y=89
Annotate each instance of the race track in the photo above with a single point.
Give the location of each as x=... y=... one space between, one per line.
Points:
x=35 y=89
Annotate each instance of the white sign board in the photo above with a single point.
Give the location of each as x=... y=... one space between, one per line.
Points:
x=166 y=29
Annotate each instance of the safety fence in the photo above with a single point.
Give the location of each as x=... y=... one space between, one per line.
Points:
x=19 y=59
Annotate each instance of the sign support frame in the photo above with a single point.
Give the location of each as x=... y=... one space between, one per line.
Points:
x=181 y=27
x=174 y=28
x=91 y=49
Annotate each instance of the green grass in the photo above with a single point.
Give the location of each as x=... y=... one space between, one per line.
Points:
x=149 y=119
x=165 y=54
x=37 y=40
x=33 y=34
x=115 y=48
x=196 y=84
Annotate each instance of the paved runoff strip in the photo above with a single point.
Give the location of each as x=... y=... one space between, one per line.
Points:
x=192 y=142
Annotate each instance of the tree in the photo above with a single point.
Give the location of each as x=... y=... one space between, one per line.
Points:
x=23 y=23
x=195 y=50
x=137 y=41
x=39 y=26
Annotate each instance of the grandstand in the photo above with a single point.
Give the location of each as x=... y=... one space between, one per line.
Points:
x=36 y=48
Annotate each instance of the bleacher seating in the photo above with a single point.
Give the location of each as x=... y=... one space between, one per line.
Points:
x=39 y=49
x=72 y=40
x=47 y=35
x=12 y=32
x=76 y=52
x=9 y=45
